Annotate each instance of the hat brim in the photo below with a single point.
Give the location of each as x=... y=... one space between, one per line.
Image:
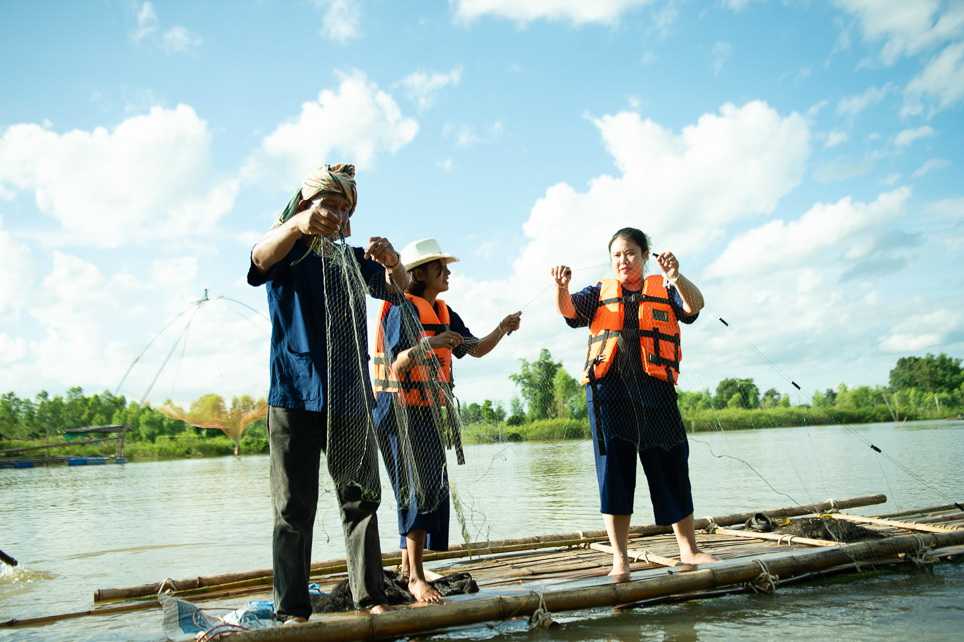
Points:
x=448 y=258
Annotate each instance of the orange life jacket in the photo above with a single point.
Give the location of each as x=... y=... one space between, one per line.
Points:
x=659 y=332
x=419 y=384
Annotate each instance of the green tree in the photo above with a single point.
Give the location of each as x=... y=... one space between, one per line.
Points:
x=472 y=413
x=694 y=400
x=748 y=393
x=770 y=399
x=929 y=373
x=566 y=395
x=517 y=413
x=535 y=384
x=491 y=413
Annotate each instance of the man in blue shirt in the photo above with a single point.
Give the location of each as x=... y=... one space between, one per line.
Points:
x=318 y=358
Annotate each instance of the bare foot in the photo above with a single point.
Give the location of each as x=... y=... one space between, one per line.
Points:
x=297 y=619
x=698 y=557
x=424 y=592
x=380 y=608
x=620 y=572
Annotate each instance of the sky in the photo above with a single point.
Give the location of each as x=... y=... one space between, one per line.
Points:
x=802 y=159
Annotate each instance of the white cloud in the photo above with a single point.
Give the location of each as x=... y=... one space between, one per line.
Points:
x=816 y=108
x=843 y=169
x=355 y=122
x=175 y=271
x=342 y=20
x=908 y=136
x=721 y=54
x=941 y=82
x=786 y=245
x=929 y=166
x=906 y=28
x=468 y=135
x=853 y=105
x=146 y=22
x=575 y=11
x=835 y=138
x=12 y=349
x=16 y=277
x=7 y=194
x=948 y=207
x=178 y=39
x=422 y=87
x=922 y=331
x=150 y=177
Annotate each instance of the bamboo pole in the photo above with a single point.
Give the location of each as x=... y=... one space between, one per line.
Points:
x=950 y=517
x=637 y=554
x=403 y=622
x=910 y=526
x=263 y=576
x=789 y=540
x=920 y=511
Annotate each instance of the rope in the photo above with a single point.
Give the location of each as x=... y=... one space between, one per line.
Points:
x=921 y=556
x=167 y=587
x=765 y=582
x=711 y=526
x=541 y=618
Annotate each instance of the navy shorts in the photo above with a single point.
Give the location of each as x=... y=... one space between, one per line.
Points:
x=667 y=472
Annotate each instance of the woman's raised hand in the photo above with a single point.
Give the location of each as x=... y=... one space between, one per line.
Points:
x=669 y=265
x=447 y=339
x=562 y=274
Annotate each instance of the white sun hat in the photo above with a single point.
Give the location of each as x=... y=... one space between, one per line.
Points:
x=423 y=251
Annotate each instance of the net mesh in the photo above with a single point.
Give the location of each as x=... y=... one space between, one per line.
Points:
x=351 y=446
x=414 y=437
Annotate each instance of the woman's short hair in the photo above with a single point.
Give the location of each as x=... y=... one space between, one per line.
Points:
x=415 y=287
x=634 y=235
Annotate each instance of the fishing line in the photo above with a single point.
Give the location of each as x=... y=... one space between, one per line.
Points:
x=150 y=343
x=904 y=468
x=169 y=355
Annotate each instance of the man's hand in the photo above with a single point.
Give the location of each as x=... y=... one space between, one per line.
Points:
x=562 y=274
x=511 y=323
x=381 y=250
x=447 y=339
x=317 y=221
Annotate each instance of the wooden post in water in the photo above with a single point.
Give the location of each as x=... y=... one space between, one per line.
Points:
x=6 y=559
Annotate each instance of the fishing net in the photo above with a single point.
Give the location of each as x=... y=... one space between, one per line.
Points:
x=414 y=435
x=351 y=446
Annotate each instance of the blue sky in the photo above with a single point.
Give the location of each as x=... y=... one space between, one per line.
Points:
x=803 y=159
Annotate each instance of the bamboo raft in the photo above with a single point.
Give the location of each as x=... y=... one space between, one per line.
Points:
x=568 y=572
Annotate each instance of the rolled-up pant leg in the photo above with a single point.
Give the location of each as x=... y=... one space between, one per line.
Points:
x=296 y=439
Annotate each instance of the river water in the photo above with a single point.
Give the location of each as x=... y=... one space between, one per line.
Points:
x=78 y=529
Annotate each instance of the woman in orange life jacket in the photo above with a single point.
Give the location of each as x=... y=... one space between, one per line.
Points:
x=417 y=371
x=631 y=369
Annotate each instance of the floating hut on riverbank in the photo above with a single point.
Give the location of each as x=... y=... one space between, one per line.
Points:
x=535 y=577
x=30 y=457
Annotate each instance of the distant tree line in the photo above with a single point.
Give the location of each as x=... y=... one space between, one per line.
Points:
x=46 y=416
x=918 y=386
x=547 y=391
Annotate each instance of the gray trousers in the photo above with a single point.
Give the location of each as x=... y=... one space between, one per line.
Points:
x=296 y=439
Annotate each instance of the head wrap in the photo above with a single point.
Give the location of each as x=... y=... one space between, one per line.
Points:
x=337 y=179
